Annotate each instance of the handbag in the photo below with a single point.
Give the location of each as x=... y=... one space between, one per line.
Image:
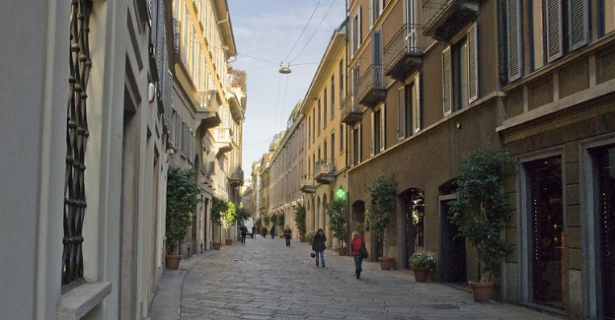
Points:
x=313 y=255
x=363 y=254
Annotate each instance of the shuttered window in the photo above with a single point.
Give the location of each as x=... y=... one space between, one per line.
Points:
x=578 y=17
x=447 y=88
x=554 y=29
x=401 y=113
x=416 y=104
x=514 y=40
x=472 y=63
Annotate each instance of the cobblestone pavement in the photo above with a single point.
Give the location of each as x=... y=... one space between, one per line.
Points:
x=264 y=279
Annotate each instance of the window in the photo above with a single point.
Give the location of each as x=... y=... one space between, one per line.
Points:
x=460 y=73
x=332 y=146
x=553 y=27
x=356 y=145
x=607 y=16
x=378 y=130
x=341 y=138
x=409 y=111
x=376 y=7
x=356 y=32
x=332 y=96
x=319 y=118
x=324 y=109
x=341 y=77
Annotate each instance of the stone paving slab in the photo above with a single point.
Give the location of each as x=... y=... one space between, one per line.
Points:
x=264 y=279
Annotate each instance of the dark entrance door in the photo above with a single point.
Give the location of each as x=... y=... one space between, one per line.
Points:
x=547 y=232
x=452 y=249
x=606 y=221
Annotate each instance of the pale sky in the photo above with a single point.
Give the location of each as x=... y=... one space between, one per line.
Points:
x=265 y=33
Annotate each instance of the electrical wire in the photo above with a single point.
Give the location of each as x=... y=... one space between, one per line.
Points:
x=304 y=28
x=313 y=34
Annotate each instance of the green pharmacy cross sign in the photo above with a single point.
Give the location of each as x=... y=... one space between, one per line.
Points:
x=340 y=193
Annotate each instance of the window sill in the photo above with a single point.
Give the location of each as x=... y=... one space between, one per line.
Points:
x=76 y=303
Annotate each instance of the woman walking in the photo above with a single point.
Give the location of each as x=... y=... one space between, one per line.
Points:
x=355 y=245
x=318 y=245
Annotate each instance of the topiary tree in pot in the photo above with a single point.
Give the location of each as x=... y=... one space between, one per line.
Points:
x=481 y=209
x=300 y=215
x=229 y=217
x=381 y=209
x=183 y=194
x=218 y=207
x=337 y=221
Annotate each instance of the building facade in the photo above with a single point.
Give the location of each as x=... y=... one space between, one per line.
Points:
x=325 y=133
x=95 y=162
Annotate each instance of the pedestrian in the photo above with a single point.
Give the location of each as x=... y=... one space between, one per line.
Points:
x=287 y=234
x=253 y=231
x=264 y=232
x=272 y=232
x=356 y=243
x=318 y=245
x=244 y=231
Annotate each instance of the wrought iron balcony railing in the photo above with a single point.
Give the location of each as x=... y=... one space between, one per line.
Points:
x=236 y=177
x=444 y=18
x=403 y=54
x=307 y=184
x=351 y=110
x=324 y=172
x=371 y=86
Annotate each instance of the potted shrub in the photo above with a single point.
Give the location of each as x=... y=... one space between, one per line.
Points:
x=480 y=210
x=229 y=219
x=309 y=237
x=183 y=194
x=218 y=207
x=422 y=264
x=337 y=222
x=381 y=209
x=300 y=214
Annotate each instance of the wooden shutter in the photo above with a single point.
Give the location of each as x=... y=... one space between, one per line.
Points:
x=373 y=136
x=359 y=27
x=554 y=29
x=377 y=48
x=578 y=17
x=416 y=104
x=401 y=113
x=382 y=128
x=515 y=53
x=472 y=63
x=447 y=88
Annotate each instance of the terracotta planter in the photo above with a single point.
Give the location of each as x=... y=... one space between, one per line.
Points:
x=341 y=251
x=483 y=291
x=172 y=261
x=217 y=245
x=229 y=242
x=301 y=238
x=420 y=275
x=386 y=263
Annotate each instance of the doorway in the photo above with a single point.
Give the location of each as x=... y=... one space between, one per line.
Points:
x=453 y=266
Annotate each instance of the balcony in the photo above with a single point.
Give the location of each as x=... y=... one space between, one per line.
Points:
x=371 y=86
x=236 y=177
x=351 y=111
x=206 y=110
x=307 y=184
x=324 y=172
x=446 y=17
x=222 y=137
x=404 y=53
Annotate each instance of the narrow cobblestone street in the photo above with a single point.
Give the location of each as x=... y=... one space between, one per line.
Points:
x=264 y=279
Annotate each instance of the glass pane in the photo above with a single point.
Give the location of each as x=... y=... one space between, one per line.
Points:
x=547 y=232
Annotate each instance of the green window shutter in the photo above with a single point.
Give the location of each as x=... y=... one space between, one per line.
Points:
x=578 y=15
x=472 y=63
x=401 y=113
x=416 y=104
x=554 y=29
x=514 y=37
x=447 y=87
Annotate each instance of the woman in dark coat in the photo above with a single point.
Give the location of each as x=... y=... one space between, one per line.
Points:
x=318 y=245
